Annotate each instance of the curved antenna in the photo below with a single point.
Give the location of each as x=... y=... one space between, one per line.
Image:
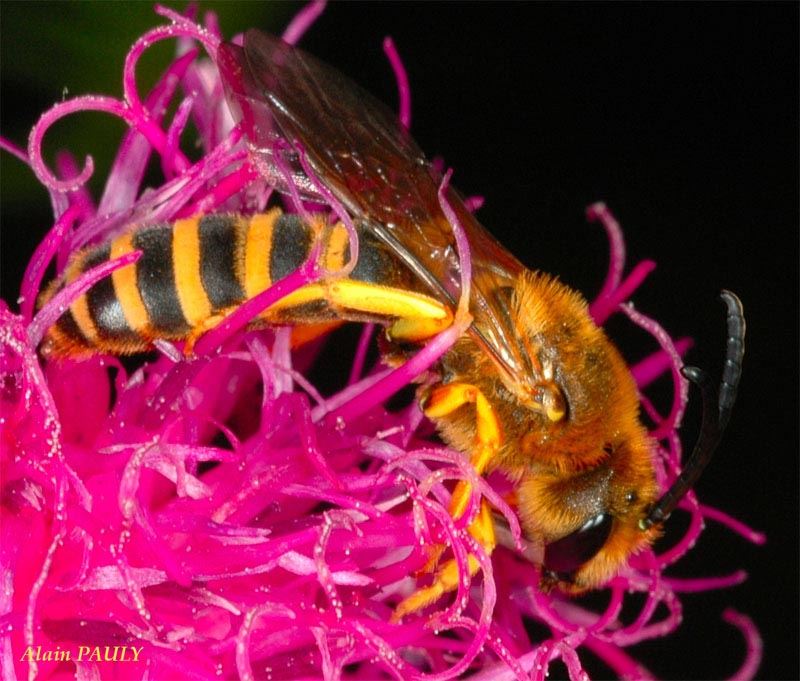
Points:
x=714 y=420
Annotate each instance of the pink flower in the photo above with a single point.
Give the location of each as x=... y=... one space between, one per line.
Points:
x=218 y=517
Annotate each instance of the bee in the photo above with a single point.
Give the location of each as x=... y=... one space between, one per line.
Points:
x=533 y=388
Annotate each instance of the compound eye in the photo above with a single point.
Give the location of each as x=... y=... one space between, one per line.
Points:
x=564 y=556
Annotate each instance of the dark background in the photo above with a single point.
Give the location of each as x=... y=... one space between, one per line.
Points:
x=682 y=118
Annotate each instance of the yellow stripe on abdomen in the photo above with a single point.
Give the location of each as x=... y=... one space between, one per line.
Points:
x=336 y=248
x=257 y=249
x=195 y=305
x=80 y=308
x=125 y=287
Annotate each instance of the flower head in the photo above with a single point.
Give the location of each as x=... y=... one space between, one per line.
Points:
x=219 y=515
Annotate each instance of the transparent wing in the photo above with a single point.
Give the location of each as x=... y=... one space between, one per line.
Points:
x=358 y=149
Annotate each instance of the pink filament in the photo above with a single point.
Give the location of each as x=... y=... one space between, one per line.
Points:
x=616 y=242
x=706 y=583
x=650 y=368
x=13 y=149
x=303 y=20
x=338 y=209
x=401 y=76
x=44 y=254
x=755 y=646
x=731 y=523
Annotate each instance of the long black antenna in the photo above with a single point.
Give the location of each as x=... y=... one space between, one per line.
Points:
x=714 y=420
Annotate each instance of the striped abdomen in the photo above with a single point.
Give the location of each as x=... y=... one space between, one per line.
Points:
x=197 y=270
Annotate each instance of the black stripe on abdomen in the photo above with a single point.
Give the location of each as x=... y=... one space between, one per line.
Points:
x=217 y=236
x=155 y=279
x=377 y=265
x=69 y=327
x=104 y=306
x=291 y=242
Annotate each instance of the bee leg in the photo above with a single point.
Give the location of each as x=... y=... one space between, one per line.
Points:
x=446 y=579
x=416 y=329
x=444 y=400
x=417 y=316
x=458 y=504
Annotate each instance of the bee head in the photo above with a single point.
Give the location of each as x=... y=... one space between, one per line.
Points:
x=589 y=520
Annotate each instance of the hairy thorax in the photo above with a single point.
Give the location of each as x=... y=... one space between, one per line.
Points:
x=597 y=457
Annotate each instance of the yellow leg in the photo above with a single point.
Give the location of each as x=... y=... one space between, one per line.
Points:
x=417 y=316
x=413 y=316
x=446 y=579
x=444 y=400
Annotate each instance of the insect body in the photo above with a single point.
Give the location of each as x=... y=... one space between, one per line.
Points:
x=533 y=388
x=192 y=273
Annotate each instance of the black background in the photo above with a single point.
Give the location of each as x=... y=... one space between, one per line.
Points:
x=682 y=118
